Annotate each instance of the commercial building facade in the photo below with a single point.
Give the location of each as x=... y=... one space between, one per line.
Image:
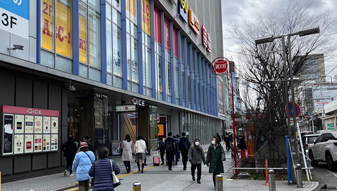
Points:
x=104 y=68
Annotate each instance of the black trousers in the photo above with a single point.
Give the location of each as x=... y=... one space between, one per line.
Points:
x=127 y=165
x=70 y=163
x=193 y=167
x=162 y=157
x=184 y=155
x=214 y=175
x=169 y=155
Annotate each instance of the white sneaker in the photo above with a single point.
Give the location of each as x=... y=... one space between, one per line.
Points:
x=71 y=175
x=65 y=172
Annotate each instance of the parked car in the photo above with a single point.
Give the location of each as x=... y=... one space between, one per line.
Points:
x=308 y=141
x=325 y=150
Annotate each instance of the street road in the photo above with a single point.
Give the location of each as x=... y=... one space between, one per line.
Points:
x=325 y=177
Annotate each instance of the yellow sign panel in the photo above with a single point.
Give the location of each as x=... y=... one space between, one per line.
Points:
x=146 y=24
x=131 y=10
x=83 y=39
x=63 y=33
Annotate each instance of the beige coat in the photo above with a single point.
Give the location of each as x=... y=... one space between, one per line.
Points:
x=127 y=151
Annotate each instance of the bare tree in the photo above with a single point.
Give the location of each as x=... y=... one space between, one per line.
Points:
x=265 y=62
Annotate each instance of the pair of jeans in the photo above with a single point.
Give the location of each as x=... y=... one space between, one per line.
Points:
x=127 y=165
x=176 y=154
x=184 y=155
x=193 y=167
x=83 y=185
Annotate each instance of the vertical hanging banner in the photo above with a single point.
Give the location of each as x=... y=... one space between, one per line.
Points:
x=167 y=34
x=8 y=121
x=15 y=17
x=82 y=37
x=131 y=10
x=146 y=17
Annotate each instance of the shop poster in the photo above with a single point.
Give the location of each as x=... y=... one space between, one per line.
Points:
x=18 y=144
x=38 y=124
x=53 y=142
x=8 y=134
x=46 y=124
x=19 y=124
x=54 y=124
x=46 y=142
x=37 y=143
x=29 y=143
x=29 y=124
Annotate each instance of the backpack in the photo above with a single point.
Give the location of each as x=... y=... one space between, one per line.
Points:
x=185 y=145
x=169 y=145
x=176 y=145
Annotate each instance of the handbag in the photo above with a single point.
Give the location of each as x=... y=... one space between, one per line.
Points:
x=92 y=179
x=115 y=180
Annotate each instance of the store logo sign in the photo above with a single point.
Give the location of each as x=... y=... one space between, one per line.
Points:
x=34 y=111
x=194 y=22
x=183 y=9
x=138 y=102
x=206 y=39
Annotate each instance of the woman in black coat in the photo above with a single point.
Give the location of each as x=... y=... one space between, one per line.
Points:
x=69 y=148
x=101 y=171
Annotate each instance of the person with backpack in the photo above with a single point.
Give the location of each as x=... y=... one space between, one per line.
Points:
x=161 y=148
x=184 y=146
x=169 y=147
x=176 y=150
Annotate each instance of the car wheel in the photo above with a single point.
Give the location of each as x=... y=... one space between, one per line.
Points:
x=330 y=163
x=313 y=161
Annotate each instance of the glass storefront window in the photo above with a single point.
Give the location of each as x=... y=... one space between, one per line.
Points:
x=134 y=60
x=117 y=51
x=109 y=46
x=94 y=39
x=83 y=42
x=176 y=78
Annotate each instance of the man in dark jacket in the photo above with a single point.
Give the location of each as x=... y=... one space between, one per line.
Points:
x=69 y=148
x=196 y=156
x=87 y=140
x=184 y=145
x=169 y=146
x=161 y=149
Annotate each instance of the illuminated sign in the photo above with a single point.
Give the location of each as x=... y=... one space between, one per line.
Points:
x=193 y=21
x=183 y=9
x=123 y=108
x=206 y=39
x=138 y=102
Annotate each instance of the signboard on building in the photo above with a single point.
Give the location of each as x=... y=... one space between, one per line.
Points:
x=183 y=9
x=131 y=10
x=330 y=126
x=146 y=17
x=206 y=39
x=193 y=21
x=125 y=108
x=15 y=17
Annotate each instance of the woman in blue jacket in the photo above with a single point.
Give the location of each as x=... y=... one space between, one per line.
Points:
x=101 y=171
x=82 y=164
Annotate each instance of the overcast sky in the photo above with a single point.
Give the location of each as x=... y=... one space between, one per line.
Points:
x=234 y=11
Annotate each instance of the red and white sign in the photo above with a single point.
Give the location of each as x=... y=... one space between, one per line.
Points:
x=220 y=65
x=158 y=118
x=29 y=111
x=206 y=39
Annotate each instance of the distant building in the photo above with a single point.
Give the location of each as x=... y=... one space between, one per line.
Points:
x=313 y=68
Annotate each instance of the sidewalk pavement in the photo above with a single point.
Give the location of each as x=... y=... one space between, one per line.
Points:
x=157 y=178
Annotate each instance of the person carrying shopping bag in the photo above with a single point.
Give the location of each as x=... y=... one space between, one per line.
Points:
x=102 y=170
x=82 y=164
x=215 y=156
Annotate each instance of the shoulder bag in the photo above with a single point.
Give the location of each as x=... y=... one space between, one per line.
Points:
x=115 y=180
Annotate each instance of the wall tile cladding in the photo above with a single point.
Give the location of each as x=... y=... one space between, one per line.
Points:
x=208 y=13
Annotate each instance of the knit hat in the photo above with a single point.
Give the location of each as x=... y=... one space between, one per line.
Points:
x=83 y=144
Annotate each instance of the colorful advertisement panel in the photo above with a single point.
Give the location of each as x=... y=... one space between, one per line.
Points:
x=83 y=38
x=63 y=32
x=8 y=120
x=167 y=34
x=193 y=21
x=18 y=144
x=131 y=10
x=29 y=124
x=146 y=17
x=46 y=142
x=53 y=142
x=29 y=143
x=19 y=124
x=37 y=124
x=183 y=9
x=46 y=124
x=15 y=17
x=37 y=143
x=54 y=124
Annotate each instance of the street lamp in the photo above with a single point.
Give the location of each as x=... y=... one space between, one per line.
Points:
x=291 y=132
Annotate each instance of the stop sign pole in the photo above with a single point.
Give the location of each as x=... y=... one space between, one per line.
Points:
x=220 y=65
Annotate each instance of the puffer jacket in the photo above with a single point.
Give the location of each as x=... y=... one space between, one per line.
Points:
x=101 y=171
x=215 y=156
x=82 y=165
x=196 y=154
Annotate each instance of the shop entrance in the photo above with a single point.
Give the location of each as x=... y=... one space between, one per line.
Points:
x=88 y=115
x=128 y=124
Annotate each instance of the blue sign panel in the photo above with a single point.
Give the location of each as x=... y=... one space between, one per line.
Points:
x=18 y=7
x=183 y=9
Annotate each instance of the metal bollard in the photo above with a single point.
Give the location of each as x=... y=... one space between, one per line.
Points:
x=272 y=185
x=299 y=176
x=219 y=182
x=137 y=186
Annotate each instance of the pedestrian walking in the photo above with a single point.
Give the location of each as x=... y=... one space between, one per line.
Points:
x=169 y=147
x=184 y=146
x=242 y=146
x=227 y=140
x=69 y=148
x=140 y=148
x=82 y=164
x=147 y=152
x=87 y=140
x=176 y=150
x=161 y=148
x=101 y=171
x=196 y=156
x=215 y=156
x=127 y=153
